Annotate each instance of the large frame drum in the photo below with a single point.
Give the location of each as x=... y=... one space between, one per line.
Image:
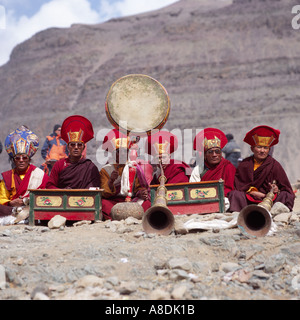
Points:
x=138 y=104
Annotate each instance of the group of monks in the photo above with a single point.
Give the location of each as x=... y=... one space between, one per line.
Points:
x=126 y=177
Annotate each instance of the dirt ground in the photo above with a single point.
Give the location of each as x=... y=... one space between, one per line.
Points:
x=118 y=261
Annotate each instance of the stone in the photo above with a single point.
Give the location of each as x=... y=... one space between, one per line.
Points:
x=179 y=263
x=229 y=266
x=56 y=222
x=2 y=278
x=283 y=217
x=178 y=292
x=159 y=294
x=89 y=281
x=278 y=208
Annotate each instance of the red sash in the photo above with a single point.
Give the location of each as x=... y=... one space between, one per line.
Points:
x=21 y=185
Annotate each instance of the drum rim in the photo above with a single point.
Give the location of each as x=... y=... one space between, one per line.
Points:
x=117 y=126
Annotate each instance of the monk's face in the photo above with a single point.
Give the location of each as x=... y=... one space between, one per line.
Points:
x=21 y=162
x=213 y=156
x=76 y=149
x=260 y=153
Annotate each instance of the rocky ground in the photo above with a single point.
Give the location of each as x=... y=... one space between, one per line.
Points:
x=118 y=261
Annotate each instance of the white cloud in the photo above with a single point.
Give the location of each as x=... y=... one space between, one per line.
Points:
x=110 y=9
x=56 y=13
x=63 y=13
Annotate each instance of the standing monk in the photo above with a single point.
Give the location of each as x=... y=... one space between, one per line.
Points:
x=121 y=179
x=20 y=145
x=75 y=172
x=258 y=173
x=161 y=145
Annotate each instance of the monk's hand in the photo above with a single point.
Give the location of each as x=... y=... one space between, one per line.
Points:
x=114 y=175
x=258 y=195
x=274 y=186
x=144 y=194
x=16 y=203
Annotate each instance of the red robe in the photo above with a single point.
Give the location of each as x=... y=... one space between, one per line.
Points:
x=246 y=177
x=21 y=185
x=225 y=170
x=175 y=172
x=81 y=175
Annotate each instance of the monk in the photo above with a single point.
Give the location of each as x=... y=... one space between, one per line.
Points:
x=76 y=171
x=257 y=174
x=161 y=146
x=21 y=145
x=123 y=180
x=211 y=141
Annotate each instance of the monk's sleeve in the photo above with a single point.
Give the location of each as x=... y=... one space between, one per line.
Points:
x=229 y=175
x=104 y=178
x=4 y=194
x=52 y=182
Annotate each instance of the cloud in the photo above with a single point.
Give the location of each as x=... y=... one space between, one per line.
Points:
x=63 y=13
x=109 y=9
x=56 y=13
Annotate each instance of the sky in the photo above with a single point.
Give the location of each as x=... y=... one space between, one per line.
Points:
x=21 y=19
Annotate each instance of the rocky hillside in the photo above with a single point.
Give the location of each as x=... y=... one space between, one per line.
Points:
x=229 y=64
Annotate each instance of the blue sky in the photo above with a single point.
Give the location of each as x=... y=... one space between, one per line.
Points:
x=21 y=19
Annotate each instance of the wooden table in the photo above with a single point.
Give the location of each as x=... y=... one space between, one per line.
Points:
x=194 y=197
x=73 y=204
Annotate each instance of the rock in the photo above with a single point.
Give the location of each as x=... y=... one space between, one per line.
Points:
x=274 y=263
x=82 y=222
x=229 y=266
x=127 y=287
x=2 y=278
x=159 y=294
x=296 y=282
x=179 y=263
x=89 y=281
x=283 y=217
x=278 y=208
x=178 y=292
x=56 y=222
x=40 y=296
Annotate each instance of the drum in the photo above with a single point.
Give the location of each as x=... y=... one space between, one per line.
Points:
x=137 y=104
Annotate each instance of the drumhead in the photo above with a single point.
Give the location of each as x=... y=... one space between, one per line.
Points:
x=137 y=103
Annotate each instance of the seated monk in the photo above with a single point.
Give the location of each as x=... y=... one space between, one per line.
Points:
x=257 y=174
x=161 y=145
x=121 y=179
x=211 y=141
x=76 y=171
x=21 y=145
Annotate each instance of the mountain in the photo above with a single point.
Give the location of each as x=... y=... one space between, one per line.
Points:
x=227 y=64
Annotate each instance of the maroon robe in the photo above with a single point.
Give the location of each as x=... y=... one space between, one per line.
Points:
x=246 y=177
x=80 y=175
x=225 y=170
x=175 y=172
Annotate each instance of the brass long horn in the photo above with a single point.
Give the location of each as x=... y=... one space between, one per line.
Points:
x=159 y=219
x=255 y=220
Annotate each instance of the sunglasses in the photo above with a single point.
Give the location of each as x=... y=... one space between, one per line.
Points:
x=217 y=151
x=24 y=158
x=78 y=144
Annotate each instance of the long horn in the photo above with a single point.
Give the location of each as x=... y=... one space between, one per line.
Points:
x=256 y=220
x=159 y=219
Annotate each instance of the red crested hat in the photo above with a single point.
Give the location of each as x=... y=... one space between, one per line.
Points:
x=161 y=142
x=210 y=138
x=77 y=129
x=264 y=136
x=115 y=140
